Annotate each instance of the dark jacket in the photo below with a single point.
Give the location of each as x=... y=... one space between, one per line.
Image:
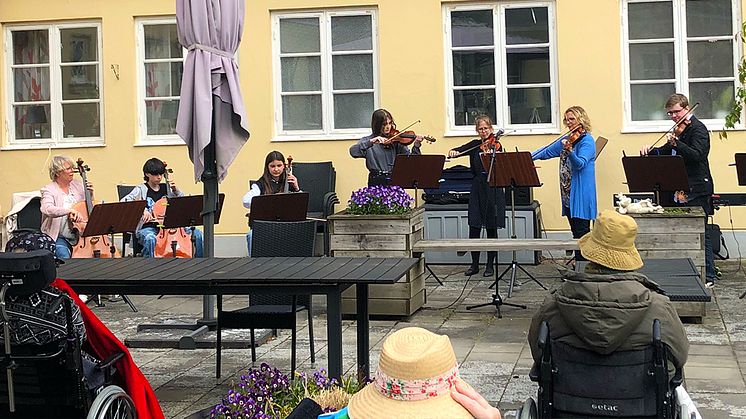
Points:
x=694 y=146
x=486 y=204
x=612 y=312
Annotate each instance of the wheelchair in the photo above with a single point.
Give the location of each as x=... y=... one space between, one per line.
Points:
x=578 y=383
x=51 y=381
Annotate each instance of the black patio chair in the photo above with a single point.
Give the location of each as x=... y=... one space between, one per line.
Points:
x=28 y=219
x=272 y=311
x=578 y=383
x=122 y=191
x=319 y=179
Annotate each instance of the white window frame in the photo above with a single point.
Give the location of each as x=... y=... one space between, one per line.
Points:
x=681 y=69
x=144 y=139
x=327 y=92
x=501 y=71
x=56 y=139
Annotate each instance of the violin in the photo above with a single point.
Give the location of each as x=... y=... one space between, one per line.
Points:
x=91 y=246
x=679 y=126
x=490 y=144
x=573 y=136
x=406 y=137
x=288 y=172
x=170 y=242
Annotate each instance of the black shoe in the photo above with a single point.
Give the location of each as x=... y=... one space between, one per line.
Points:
x=473 y=270
x=488 y=271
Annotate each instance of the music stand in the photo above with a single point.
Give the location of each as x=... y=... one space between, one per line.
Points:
x=417 y=171
x=741 y=168
x=111 y=218
x=279 y=207
x=655 y=174
x=515 y=170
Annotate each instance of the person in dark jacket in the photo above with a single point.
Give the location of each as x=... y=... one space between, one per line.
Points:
x=609 y=307
x=693 y=145
x=486 y=204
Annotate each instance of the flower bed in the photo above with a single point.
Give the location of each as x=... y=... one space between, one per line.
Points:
x=379 y=200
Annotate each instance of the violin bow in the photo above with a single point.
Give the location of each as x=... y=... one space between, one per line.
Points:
x=676 y=124
x=404 y=129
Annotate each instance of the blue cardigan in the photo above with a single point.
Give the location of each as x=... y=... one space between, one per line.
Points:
x=582 y=160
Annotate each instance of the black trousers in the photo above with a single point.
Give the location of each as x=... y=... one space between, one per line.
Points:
x=475 y=233
x=579 y=228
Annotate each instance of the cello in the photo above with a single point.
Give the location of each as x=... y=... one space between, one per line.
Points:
x=93 y=246
x=170 y=242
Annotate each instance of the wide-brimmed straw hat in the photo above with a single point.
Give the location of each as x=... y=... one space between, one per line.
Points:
x=611 y=243
x=415 y=374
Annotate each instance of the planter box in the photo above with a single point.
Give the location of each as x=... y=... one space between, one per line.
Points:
x=382 y=236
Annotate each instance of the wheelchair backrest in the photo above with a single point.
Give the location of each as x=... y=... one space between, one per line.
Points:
x=27 y=272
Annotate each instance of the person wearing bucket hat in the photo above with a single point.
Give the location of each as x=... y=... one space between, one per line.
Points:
x=609 y=307
x=417 y=375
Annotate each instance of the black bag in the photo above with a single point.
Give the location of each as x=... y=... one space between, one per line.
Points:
x=718 y=242
x=455 y=183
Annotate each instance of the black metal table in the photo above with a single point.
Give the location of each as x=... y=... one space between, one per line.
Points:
x=225 y=276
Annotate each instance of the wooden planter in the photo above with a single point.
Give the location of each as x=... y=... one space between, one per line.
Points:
x=382 y=236
x=675 y=236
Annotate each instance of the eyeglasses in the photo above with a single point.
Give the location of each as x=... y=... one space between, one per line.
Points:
x=674 y=112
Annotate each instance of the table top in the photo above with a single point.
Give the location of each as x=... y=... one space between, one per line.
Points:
x=215 y=271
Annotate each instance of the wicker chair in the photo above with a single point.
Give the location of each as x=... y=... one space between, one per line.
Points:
x=267 y=311
x=319 y=179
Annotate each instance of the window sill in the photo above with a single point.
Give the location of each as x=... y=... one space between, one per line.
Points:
x=712 y=126
x=152 y=143
x=319 y=137
x=41 y=146
x=508 y=132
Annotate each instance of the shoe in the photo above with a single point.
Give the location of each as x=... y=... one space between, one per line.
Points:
x=83 y=298
x=473 y=270
x=709 y=283
x=488 y=271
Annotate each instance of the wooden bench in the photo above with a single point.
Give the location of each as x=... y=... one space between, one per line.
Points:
x=498 y=245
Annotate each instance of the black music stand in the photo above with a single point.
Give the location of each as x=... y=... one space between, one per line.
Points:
x=416 y=171
x=185 y=211
x=509 y=170
x=112 y=218
x=655 y=174
x=279 y=207
x=741 y=168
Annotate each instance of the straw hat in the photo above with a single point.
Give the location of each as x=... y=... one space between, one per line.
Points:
x=415 y=373
x=611 y=243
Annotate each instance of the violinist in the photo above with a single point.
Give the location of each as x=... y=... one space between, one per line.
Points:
x=577 y=153
x=57 y=200
x=691 y=140
x=274 y=178
x=152 y=191
x=486 y=204
x=379 y=148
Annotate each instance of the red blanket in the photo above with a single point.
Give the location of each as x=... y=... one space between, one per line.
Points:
x=103 y=343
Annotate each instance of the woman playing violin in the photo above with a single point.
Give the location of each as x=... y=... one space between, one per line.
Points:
x=57 y=200
x=486 y=204
x=380 y=147
x=577 y=153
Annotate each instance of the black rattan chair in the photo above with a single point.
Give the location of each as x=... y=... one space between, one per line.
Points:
x=270 y=311
x=319 y=179
x=28 y=219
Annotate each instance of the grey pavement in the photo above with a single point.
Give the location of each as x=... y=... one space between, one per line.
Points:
x=494 y=355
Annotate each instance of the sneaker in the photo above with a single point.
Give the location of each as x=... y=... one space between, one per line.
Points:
x=709 y=283
x=83 y=298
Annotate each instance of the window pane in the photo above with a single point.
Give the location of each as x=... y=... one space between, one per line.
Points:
x=651 y=61
x=526 y=26
x=528 y=65
x=80 y=82
x=350 y=33
x=32 y=121
x=715 y=99
x=648 y=101
x=31 y=84
x=161 y=116
x=353 y=110
x=78 y=45
x=163 y=79
x=30 y=47
x=353 y=71
x=530 y=106
x=301 y=74
x=710 y=58
x=302 y=112
x=162 y=41
x=471 y=28
x=299 y=35
x=472 y=68
x=708 y=18
x=650 y=20
x=81 y=120
x=468 y=104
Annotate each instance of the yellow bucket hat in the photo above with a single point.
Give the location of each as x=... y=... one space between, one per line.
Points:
x=611 y=243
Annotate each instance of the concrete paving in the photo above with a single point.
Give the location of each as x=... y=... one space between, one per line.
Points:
x=494 y=355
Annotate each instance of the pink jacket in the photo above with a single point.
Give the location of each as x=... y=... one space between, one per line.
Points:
x=52 y=209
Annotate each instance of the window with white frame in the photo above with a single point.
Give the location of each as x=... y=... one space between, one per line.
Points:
x=325 y=72
x=500 y=61
x=684 y=46
x=54 y=80
x=161 y=65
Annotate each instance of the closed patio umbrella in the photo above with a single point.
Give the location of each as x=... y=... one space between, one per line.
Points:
x=212 y=119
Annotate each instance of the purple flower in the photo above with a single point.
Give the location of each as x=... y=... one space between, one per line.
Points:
x=378 y=200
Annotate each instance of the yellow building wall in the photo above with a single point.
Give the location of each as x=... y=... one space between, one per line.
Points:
x=412 y=87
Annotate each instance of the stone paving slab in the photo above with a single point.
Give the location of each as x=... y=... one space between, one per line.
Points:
x=494 y=355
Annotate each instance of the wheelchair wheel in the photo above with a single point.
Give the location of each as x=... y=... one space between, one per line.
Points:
x=528 y=410
x=112 y=403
